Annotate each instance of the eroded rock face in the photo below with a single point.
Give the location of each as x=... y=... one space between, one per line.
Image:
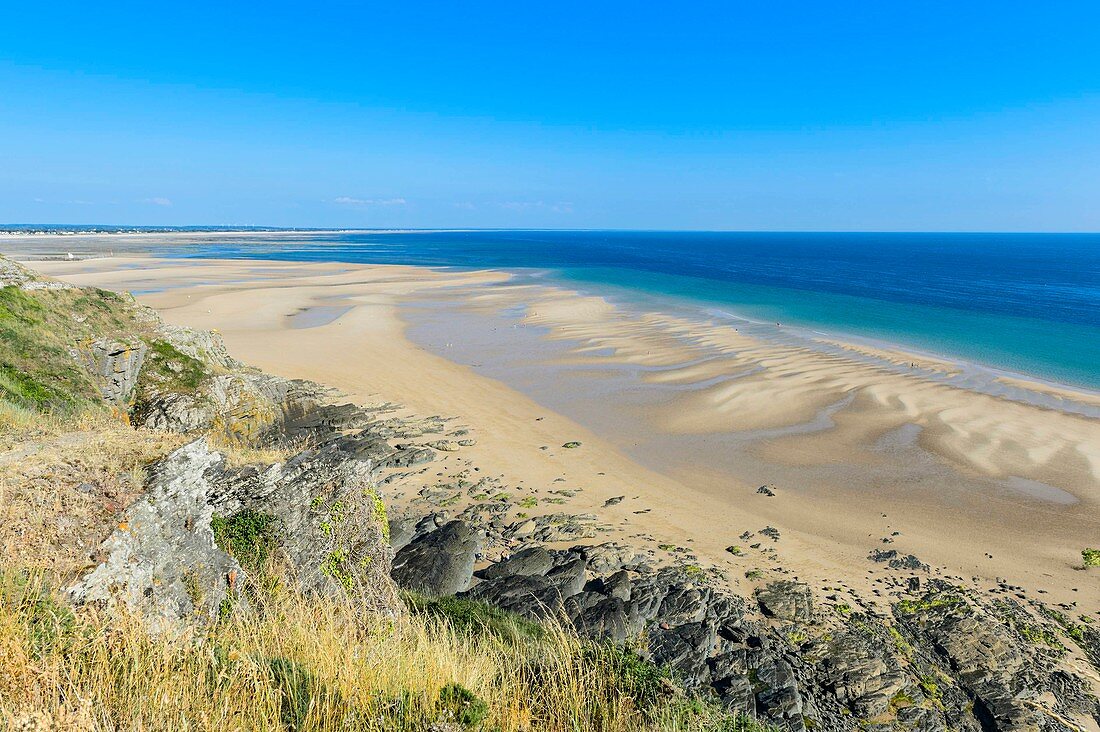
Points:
x=252 y=408
x=941 y=664
x=534 y=560
x=204 y=345
x=326 y=523
x=257 y=409
x=1002 y=675
x=162 y=559
x=13 y=274
x=440 y=562
x=787 y=600
x=115 y=367
x=863 y=673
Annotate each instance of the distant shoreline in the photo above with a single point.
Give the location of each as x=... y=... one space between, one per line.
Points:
x=1009 y=345
x=16 y=230
x=93 y=231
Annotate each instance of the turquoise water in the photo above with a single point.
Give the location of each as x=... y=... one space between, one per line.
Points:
x=1066 y=353
x=1026 y=303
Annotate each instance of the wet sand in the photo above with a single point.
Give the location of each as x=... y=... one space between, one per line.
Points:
x=980 y=475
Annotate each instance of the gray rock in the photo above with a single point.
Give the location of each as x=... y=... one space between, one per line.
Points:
x=685 y=648
x=778 y=699
x=908 y=562
x=204 y=345
x=607 y=619
x=568 y=578
x=13 y=274
x=608 y=557
x=115 y=366
x=163 y=562
x=259 y=409
x=531 y=596
x=684 y=603
x=331 y=519
x=402 y=531
x=407 y=457
x=579 y=603
x=617 y=585
x=864 y=675
x=163 y=553
x=786 y=600
x=648 y=592
x=552 y=528
x=176 y=412
x=534 y=560
x=440 y=562
x=996 y=669
x=882 y=555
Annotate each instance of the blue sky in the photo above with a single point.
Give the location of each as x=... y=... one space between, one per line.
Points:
x=757 y=115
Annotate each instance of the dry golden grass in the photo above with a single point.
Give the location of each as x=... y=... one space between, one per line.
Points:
x=65 y=479
x=289 y=663
x=238 y=454
x=309 y=664
x=63 y=483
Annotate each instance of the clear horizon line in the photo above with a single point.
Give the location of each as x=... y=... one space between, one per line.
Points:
x=14 y=228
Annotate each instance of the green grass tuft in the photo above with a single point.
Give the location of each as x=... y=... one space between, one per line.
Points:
x=169 y=369
x=248 y=536
x=477 y=618
x=463 y=705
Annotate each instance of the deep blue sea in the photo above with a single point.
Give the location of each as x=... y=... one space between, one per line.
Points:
x=1027 y=303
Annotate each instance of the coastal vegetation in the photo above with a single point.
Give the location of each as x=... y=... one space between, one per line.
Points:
x=297 y=663
x=277 y=658
x=190 y=543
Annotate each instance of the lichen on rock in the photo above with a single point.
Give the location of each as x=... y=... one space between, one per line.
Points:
x=164 y=562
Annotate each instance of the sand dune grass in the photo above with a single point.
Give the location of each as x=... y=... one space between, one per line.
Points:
x=308 y=664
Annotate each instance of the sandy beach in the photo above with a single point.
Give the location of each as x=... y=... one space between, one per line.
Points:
x=864 y=448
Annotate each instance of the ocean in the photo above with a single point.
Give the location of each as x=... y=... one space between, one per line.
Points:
x=1023 y=303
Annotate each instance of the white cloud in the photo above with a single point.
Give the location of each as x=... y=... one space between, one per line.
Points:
x=158 y=201
x=349 y=201
x=560 y=207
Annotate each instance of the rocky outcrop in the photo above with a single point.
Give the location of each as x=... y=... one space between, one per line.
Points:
x=203 y=345
x=251 y=408
x=317 y=515
x=440 y=562
x=188 y=549
x=161 y=560
x=115 y=367
x=786 y=600
x=1001 y=661
x=944 y=663
x=255 y=409
x=13 y=274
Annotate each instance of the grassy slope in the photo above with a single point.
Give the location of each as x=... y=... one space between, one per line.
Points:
x=301 y=664
x=41 y=330
x=38 y=328
x=70 y=467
